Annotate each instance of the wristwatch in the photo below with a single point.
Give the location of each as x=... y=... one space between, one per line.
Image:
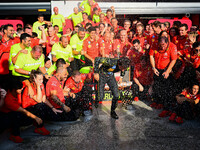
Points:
x=153 y=68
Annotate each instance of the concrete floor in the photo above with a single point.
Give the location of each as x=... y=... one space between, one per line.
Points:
x=137 y=129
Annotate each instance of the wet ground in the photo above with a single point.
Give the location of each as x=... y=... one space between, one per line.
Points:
x=136 y=129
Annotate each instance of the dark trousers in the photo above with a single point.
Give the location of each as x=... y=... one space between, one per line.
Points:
x=163 y=90
x=185 y=110
x=112 y=83
x=137 y=93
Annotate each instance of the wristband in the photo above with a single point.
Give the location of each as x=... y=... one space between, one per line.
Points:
x=29 y=73
x=153 y=68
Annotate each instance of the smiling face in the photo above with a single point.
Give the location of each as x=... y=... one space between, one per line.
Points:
x=195 y=89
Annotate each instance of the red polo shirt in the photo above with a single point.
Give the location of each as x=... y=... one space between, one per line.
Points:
x=116 y=30
x=141 y=39
x=54 y=38
x=135 y=56
x=107 y=46
x=143 y=74
x=91 y=47
x=73 y=86
x=26 y=100
x=54 y=84
x=181 y=42
x=11 y=103
x=153 y=41
x=123 y=47
x=162 y=59
x=5 y=48
x=196 y=61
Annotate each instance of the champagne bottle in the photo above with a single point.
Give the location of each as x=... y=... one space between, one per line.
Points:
x=82 y=59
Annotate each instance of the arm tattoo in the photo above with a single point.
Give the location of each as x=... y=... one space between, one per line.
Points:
x=57 y=100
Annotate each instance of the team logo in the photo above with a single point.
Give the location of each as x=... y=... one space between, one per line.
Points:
x=134 y=55
x=89 y=46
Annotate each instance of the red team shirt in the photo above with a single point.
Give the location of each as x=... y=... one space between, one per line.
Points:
x=107 y=46
x=162 y=59
x=54 y=84
x=73 y=86
x=11 y=103
x=181 y=42
x=26 y=100
x=55 y=38
x=135 y=56
x=187 y=94
x=143 y=74
x=91 y=47
x=123 y=47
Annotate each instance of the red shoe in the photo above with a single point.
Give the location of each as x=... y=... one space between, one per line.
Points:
x=136 y=99
x=42 y=131
x=159 y=106
x=172 y=117
x=16 y=139
x=179 y=120
x=153 y=105
x=164 y=113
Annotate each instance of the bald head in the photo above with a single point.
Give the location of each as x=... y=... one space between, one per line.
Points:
x=61 y=73
x=55 y=9
x=123 y=35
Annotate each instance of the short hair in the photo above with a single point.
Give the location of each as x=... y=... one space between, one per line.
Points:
x=40 y=15
x=102 y=24
x=91 y=29
x=109 y=10
x=19 y=25
x=95 y=9
x=24 y=36
x=167 y=24
x=88 y=24
x=164 y=24
x=6 y=27
x=34 y=74
x=37 y=47
x=56 y=26
x=113 y=18
x=19 y=30
x=34 y=35
x=60 y=69
x=177 y=23
x=176 y=30
x=184 y=25
x=75 y=73
x=85 y=13
x=163 y=38
x=127 y=21
x=140 y=25
x=81 y=29
x=124 y=62
x=46 y=59
x=60 y=62
x=163 y=32
x=136 y=41
x=27 y=28
x=156 y=24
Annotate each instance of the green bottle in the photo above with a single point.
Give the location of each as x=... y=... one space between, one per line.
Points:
x=82 y=59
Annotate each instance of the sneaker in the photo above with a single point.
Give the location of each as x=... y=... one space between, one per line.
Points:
x=114 y=115
x=172 y=117
x=164 y=113
x=16 y=139
x=136 y=99
x=153 y=105
x=179 y=120
x=159 y=106
x=42 y=131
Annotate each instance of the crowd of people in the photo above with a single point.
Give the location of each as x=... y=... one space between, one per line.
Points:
x=41 y=76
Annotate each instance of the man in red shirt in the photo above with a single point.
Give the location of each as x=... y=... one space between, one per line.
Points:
x=110 y=13
x=106 y=46
x=55 y=95
x=134 y=54
x=122 y=45
x=140 y=34
x=36 y=41
x=115 y=25
x=52 y=38
x=86 y=20
x=153 y=41
x=5 y=44
x=143 y=78
x=79 y=91
x=162 y=62
x=182 y=40
x=91 y=47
